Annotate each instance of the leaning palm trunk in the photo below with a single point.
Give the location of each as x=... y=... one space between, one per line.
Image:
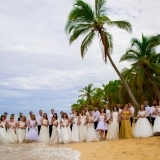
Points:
x=105 y=43
x=156 y=90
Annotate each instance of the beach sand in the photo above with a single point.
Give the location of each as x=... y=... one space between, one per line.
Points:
x=128 y=149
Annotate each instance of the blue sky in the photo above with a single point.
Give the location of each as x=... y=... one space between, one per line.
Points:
x=38 y=68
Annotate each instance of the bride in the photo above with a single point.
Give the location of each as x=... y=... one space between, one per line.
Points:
x=114 y=126
x=142 y=127
x=156 y=127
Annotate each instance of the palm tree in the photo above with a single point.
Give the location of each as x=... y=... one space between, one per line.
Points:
x=87 y=92
x=145 y=69
x=83 y=20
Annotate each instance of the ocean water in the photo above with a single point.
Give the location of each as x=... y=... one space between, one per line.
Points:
x=36 y=151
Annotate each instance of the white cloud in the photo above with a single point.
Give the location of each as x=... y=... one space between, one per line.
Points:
x=38 y=68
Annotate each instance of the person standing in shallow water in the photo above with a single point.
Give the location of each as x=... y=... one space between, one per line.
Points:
x=126 y=129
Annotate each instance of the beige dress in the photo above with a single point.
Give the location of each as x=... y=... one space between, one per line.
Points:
x=55 y=136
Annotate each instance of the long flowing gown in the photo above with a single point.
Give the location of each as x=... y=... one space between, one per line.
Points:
x=21 y=133
x=12 y=130
x=44 y=133
x=83 y=129
x=4 y=136
x=101 y=124
x=65 y=132
x=55 y=136
x=32 y=133
x=91 y=134
x=75 y=130
x=156 y=127
x=114 y=127
x=142 y=127
x=126 y=129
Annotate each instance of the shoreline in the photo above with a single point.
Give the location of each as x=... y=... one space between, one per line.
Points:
x=126 y=149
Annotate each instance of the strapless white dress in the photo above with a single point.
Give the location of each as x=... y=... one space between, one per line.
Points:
x=4 y=136
x=21 y=133
x=75 y=130
x=82 y=129
x=91 y=134
x=65 y=133
x=142 y=127
x=44 y=133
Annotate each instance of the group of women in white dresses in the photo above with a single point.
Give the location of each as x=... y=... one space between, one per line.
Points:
x=82 y=128
x=77 y=128
x=11 y=131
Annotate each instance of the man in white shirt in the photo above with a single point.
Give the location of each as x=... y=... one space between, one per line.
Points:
x=71 y=116
x=132 y=110
x=50 y=122
x=153 y=113
x=148 y=110
x=96 y=114
x=108 y=114
x=118 y=105
x=39 y=118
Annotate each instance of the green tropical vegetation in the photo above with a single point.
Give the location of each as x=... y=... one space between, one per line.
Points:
x=139 y=82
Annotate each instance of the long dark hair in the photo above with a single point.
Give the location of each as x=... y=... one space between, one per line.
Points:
x=103 y=109
x=116 y=108
x=2 y=117
x=56 y=116
x=46 y=115
x=64 y=113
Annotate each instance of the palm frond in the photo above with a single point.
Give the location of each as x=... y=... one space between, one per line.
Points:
x=100 y=7
x=121 y=24
x=81 y=8
x=77 y=33
x=87 y=42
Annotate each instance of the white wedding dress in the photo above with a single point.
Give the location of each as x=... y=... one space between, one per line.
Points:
x=114 y=127
x=156 y=127
x=91 y=134
x=75 y=130
x=82 y=129
x=65 y=132
x=21 y=133
x=4 y=136
x=44 y=132
x=12 y=131
x=142 y=127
